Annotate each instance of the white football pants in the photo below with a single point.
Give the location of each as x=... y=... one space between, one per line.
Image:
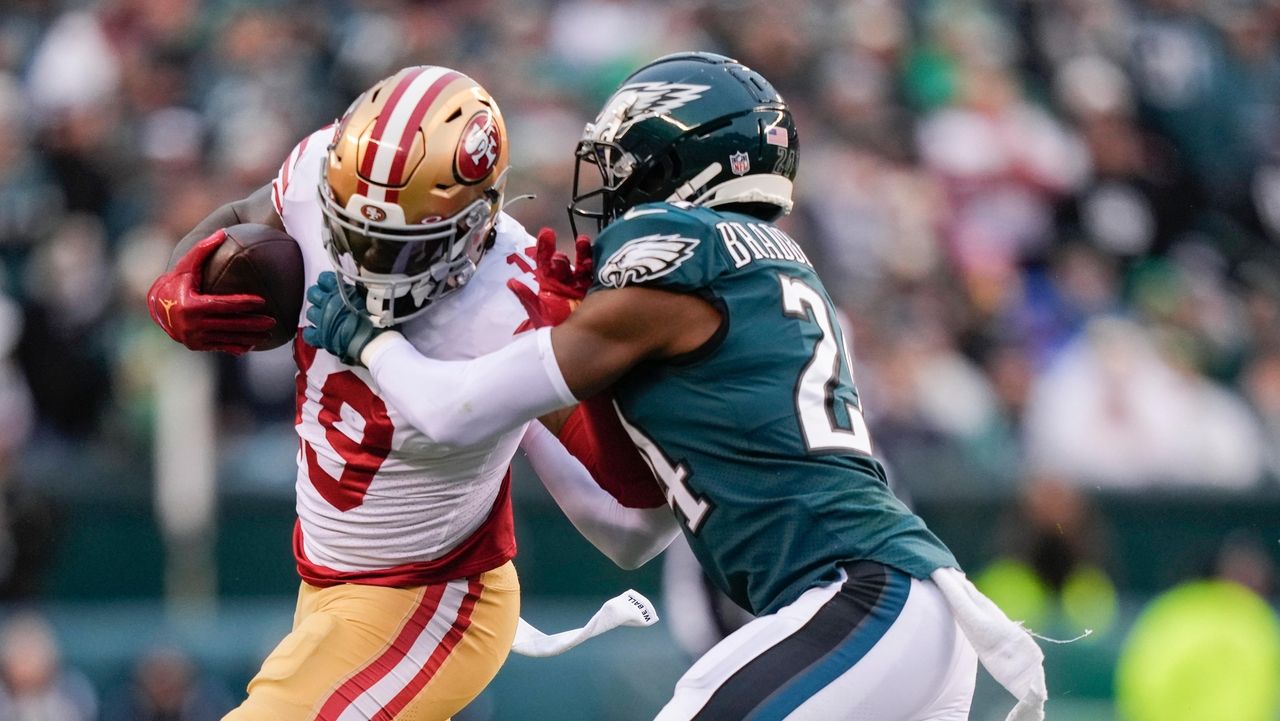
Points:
x=875 y=646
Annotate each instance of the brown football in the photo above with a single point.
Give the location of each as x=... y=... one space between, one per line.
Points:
x=261 y=260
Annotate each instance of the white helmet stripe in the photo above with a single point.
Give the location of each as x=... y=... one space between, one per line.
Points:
x=386 y=145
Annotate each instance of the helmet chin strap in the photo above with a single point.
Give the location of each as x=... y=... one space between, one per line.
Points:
x=380 y=299
x=518 y=198
x=696 y=182
x=763 y=188
x=379 y=306
x=759 y=188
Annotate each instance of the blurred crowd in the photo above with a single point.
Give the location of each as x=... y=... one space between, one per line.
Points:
x=36 y=685
x=1052 y=225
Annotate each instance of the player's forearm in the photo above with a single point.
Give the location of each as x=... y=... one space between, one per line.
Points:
x=256 y=208
x=618 y=328
x=630 y=537
x=461 y=403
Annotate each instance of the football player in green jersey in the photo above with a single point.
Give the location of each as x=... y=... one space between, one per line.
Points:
x=719 y=344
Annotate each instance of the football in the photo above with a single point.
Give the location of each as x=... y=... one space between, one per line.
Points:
x=261 y=260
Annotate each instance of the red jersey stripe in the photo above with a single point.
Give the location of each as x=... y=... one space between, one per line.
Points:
x=292 y=161
x=488 y=547
x=281 y=184
x=287 y=169
x=304 y=355
x=275 y=200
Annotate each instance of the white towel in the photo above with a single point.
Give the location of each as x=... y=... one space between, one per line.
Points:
x=626 y=609
x=1005 y=648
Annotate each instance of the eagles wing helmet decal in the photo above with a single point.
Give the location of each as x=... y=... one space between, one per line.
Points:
x=638 y=101
x=646 y=258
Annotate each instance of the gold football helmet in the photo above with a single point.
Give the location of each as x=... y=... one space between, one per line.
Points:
x=412 y=189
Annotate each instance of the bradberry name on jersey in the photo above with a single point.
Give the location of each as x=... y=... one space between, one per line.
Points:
x=749 y=242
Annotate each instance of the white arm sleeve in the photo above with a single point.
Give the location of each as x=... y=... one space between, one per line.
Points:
x=630 y=537
x=461 y=403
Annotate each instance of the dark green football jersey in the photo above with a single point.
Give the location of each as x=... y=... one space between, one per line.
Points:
x=757 y=437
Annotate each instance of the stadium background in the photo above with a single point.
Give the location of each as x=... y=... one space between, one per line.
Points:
x=1052 y=226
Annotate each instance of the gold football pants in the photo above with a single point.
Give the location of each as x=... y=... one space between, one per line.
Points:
x=359 y=653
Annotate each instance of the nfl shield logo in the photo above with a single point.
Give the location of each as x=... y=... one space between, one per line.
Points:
x=739 y=163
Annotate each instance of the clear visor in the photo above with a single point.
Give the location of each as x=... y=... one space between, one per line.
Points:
x=397 y=249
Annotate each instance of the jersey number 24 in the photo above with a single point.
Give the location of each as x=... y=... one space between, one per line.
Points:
x=819 y=382
x=815 y=406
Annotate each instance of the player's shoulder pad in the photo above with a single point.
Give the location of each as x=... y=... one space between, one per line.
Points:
x=305 y=162
x=657 y=244
x=510 y=236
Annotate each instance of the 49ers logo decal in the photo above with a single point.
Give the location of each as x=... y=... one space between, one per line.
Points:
x=478 y=149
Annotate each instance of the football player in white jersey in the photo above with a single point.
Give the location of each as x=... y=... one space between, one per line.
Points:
x=409 y=601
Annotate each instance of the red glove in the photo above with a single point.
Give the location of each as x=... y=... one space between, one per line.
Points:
x=561 y=286
x=230 y=323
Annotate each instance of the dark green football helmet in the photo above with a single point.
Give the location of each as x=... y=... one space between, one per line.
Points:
x=694 y=127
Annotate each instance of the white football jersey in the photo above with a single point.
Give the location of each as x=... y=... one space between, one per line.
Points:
x=379 y=502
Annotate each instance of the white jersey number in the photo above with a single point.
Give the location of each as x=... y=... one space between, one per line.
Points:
x=815 y=392
x=671 y=476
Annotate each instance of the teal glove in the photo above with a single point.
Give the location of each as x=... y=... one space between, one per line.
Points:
x=339 y=326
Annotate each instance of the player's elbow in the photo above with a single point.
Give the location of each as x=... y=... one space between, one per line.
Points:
x=631 y=560
x=639 y=535
x=444 y=435
x=638 y=549
x=452 y=428
x=449 y=434
x=643 y=555
x=441 y=426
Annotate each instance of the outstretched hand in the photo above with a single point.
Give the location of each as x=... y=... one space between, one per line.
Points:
x=338 y=325
x=230 y=323
x=561 y=285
